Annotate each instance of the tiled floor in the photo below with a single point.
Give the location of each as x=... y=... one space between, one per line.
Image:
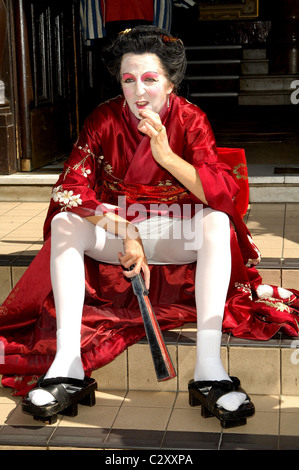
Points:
x=149 y=419
x=152 y=420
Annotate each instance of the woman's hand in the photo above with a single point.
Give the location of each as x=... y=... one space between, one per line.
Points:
x=134 y=255
x=133 y=247
x=151 y=125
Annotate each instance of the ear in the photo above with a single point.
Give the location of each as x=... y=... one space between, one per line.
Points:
x=170 y=88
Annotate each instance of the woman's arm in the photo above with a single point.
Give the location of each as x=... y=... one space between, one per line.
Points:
x=185 y=173
x=162 y=153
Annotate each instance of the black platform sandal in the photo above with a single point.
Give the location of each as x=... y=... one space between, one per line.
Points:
x=65 y=398
x=207 y=392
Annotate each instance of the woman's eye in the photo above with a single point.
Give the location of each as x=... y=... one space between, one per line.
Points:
x=128 y=78
x=150 y=80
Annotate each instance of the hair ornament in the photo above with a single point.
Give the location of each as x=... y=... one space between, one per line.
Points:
x=126 y=31
x=168 y=38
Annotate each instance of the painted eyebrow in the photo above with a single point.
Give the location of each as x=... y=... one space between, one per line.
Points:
x=127 y=75
x=143 y=76
x=150 y=75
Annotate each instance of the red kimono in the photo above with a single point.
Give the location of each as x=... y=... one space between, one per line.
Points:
x=110 y=159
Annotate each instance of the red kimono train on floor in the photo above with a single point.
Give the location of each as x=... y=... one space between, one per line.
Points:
x=112 y=160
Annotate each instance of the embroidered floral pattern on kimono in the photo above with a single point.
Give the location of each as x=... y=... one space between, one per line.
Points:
x=240 y=171
x=66 y=199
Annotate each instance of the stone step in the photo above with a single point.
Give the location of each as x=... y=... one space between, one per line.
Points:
x=133 y=369
x=209 y=53
x=214 y=67
x=267 y=82
x=213 y=74
x=26 y=187
x=212 y=102
x=213 y=84
x=213 y=94
x=254 y=54
x=276 y=373
x=254 y=66
x=273 y=191
x=266 y=98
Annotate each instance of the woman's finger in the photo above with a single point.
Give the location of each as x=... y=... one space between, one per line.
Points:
x=149 y=129
x=153 y=117
x=127 y=260
x=146 y=275
x=136 y=270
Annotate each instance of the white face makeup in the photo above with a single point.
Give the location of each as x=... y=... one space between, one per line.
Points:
x=144 y=82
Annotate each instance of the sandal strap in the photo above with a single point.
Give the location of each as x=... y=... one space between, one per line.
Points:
x=59 y=393
x=55 y=386
x=42 y=382
x=218 y=389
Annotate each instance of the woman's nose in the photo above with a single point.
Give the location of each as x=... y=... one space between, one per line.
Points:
x=139 y=90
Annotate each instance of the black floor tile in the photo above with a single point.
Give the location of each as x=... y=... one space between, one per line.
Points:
x=248 y=442
x=80 y=437
x=270 y=263
x=290 y=263
x=177 y=440
x=17 y=259
x=134 y=439
x=288 y=443
x=36 y=436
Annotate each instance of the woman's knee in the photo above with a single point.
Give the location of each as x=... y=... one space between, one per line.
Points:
x=66 y=222
x=215 y=224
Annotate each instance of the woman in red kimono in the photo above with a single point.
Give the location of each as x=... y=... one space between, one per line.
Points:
x=144 y=189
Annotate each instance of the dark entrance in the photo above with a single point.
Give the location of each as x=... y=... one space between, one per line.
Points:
x=47 y=42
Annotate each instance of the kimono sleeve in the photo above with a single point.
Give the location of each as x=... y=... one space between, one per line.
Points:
x=201 y=151
x=76 y=188
x=218 y=184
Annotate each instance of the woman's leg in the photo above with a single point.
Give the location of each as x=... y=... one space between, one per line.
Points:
x=213 y=270
x=212 y=280
x=71 y=238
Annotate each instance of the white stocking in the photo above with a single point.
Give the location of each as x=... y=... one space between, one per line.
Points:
x=212 y=280
x=71 y=237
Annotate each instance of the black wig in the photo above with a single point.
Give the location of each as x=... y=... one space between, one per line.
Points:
x=144 y=40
